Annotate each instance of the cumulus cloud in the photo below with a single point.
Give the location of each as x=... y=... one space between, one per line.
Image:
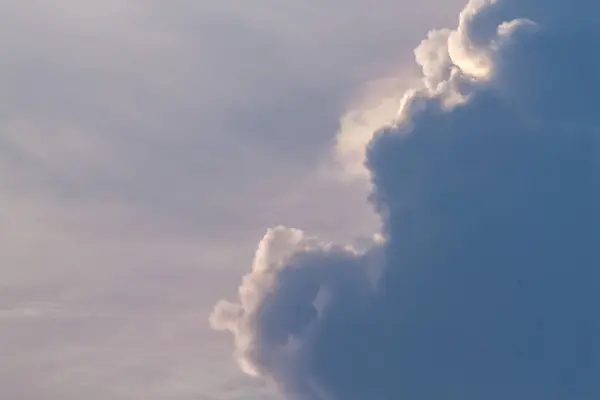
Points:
x=295 y=281
x=485 y=284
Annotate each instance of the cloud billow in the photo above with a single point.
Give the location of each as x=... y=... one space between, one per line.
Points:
x=485 y=284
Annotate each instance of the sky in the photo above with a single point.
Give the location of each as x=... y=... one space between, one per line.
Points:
x=145 y=149
x=316 y=200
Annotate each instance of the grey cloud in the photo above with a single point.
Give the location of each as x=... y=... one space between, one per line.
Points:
x=488 y=188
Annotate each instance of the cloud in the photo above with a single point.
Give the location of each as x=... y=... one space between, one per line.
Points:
x=306 y=275
x=488 y=188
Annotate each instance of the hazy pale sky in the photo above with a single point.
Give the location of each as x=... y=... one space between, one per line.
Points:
x=146 y=146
